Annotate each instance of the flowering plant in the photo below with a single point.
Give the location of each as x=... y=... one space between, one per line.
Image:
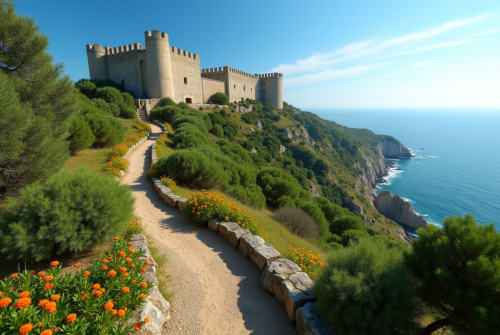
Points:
x=312 y=264
x=202 y=206
x=96 y=300
x=153 y=172
x=170 y=183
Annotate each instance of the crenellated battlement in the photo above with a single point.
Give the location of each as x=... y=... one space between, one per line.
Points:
x=271 y=75
x=215 y=70
x=155 y=34
x=123 y=49
x=94 y=48
x=185 y=53
x=241 y=73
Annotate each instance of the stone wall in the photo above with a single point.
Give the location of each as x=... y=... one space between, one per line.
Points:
x=186 y=65
x=272 y=89
x=210 y=87
x=123 y=67
x=243 y=85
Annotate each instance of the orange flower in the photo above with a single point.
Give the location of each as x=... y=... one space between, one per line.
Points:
x=32 y=272
x=23 y=294
x=113 y=312
x=50 y=307
x=75 y=265
x=125 y=290
x=134 y=281
x=1 y=293
x=137 y=326
x=54 y=264
x=25 y=329
x=125 y=308
x=104 y=261
x=43 y=302
x=48 y=278
x=46 y=332
x=102 y=289
x=132 y=265
x=5 y=302
x=22 y=303
x=122 y=269
x=143 y=270
x=116 y=239
x=109 y=305
x=121 y=313
x=105 y=268
x=112 y=273
x=96 y=286
x=128 y=260
x=130 y=243
x=146 y=320
x=144 y=284
x=125 y=275
x=41 y=273
x=143 y=296
x=121 y=254
x=40 y=324
x=132 y=251
x=71 y=318
x=55 y=297
x=48 y=287
x=97 y=294
x=147 y=262
x=14 y=275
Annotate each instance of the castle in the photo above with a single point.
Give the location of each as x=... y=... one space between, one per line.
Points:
x=162 y=71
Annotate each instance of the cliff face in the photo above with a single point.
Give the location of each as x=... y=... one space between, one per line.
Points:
x=390 y=149
x=397 y=209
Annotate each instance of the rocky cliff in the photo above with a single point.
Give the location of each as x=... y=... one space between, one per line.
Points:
x=397 y=209
x=391 y=149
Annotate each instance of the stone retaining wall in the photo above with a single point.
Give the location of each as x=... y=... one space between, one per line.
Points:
x=281 y=277
x=156 y=308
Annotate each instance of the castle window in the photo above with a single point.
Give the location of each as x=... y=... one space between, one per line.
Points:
x=123 y=84
x=185 y=80
x=189 y=100
x=244 y=88
x=264 y=91
x=234 y=86
x=251 y=89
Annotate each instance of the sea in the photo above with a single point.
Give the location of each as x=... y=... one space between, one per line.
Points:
x=457 y=165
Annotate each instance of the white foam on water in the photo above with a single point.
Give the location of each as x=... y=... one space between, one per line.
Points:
x=407 y=200
x=432 y=156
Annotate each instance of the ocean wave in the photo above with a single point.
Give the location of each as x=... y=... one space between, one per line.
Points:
x=407 y=200
x=432 y=156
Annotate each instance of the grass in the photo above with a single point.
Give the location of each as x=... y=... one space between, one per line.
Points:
x=161 y=273
x=167 y=148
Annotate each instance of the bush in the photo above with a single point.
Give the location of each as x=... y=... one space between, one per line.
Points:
x=330 y=210
x=217 y=130
x=90 y=293
x=106 y=132
x=171 y=184
x=351 y=236
x=276 y=183
x=129 y=100
x=86 y=87
x=338 y=226
x=315 y=211
x=129 y=113
x=189 y=136
x=298 y=222
x=220 y=98
x=73 y=211
x=286 y=201
x=81 y=135
x=111 y=95
x=115 y=110
x=251 y=195
x=102 y=105
x=201 y=108
x=203 y=206
x=167 y=102
x=366 y=289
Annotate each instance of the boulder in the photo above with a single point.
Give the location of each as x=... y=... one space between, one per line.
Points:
x=282 y=148
x=248 y=243
x=398 y=209
x=225 y=227
x=258 y=124
x=310 y=322
x=288 y=133
x=213 y=225
x=172 y=199
x=155 y=315
x=288 y=284
x=233 y=236
x=264 y=254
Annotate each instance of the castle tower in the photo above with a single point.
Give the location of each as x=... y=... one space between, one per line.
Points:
x=96 y=55
x=272 y=89
x=160 y=81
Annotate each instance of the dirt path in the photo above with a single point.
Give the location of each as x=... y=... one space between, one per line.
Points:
x=217 y=290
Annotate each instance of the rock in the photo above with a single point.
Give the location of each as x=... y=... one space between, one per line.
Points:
x=404 y=236
x=213 y=225
x=233 y=236
x=313 y=191
x=264 y=254
x=150 y=275
x=310 y=322
x=253 y=151
x=288 y=284
x=241 y=127
x=310 y=141
x=282 y=148
x=159 y=301
x=397 y=209
x=181 y=202
x=296 y=133
x=155 y=315
x=225 y=227
x=394 y=149
x=288 y=133
x=304 y=131
x=248 y=243
x=251 y=128
x=258 y=124
x=354 y=206
x=172 y=199
x=138 y=237
x=243 y=109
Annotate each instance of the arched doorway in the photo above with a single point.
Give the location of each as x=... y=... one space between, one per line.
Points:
x=189 y=100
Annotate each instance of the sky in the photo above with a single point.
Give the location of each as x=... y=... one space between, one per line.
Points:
x=333 y=54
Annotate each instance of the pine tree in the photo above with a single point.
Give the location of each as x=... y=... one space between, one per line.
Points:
x=458 y=269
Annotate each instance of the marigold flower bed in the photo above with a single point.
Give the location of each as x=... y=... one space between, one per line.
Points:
x=171 y=184
x=202 y=206
x=96 y=300
x=308 y=262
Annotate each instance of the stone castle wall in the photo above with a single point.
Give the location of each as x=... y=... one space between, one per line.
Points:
x=243 y=85
x=272 y=89
x=186 y=65
x=210 y=87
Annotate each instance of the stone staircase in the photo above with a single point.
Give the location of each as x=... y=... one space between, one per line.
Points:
x=143 y=114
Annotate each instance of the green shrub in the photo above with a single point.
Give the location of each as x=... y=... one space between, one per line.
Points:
x=73 y=211
x=220 y=98
x=251 y=195
x=298 y=222
x=183 y=105
x=180 y=119
x=86 y=87
x=201 y=108
x=165 y=114
x=81 y=135
x=315 y=211
x=303 y=154
x=191 y=167
x=106 y=131
x=351 y=236
x=339 y=225
x=111 y=95
x=129 y=113
x=330 y=210
x=275 y=183
x=286 y=201
x=167 y=102
x=189 y=136
x=217 y=130
x=367 y=289
x=115 y=110
x=102 y=105
x=129 y=100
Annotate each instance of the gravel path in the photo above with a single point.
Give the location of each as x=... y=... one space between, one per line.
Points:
x=217 y=290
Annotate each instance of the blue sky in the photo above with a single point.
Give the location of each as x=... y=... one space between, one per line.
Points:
x=333 y=54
